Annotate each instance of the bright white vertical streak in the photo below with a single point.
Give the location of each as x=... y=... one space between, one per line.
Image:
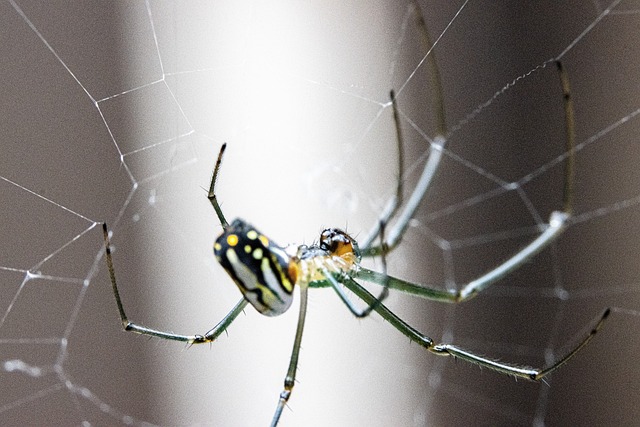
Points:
x=264 y=147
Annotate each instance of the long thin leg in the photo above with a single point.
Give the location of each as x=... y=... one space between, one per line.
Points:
x=471 y=289
x=557 y=224
x=290 y=379
x=139 y=329
x=557 y=219
x=436 y=80
x=430 y=167
x=212 y=194
x=392 y=206
x=525 y=372
x=570 y=129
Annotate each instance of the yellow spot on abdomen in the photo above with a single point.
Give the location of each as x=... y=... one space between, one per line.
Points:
x=232 y=239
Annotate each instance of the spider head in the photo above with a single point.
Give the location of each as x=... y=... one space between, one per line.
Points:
x=338 y=243
x=263 y=271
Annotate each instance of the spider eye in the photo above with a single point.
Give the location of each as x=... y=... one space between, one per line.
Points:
x=259 y=267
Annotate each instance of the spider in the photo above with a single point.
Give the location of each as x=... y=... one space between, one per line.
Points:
x=267 y=273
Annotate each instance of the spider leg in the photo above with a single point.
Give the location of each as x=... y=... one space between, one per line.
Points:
x=290 y=379
x=397 y=231
x=415 y=289
x=212 y=194
x=431 y=166
x=558 y=222
x=335 y=284
x=534 y=374
x=570 y=129
x=401 y=225
x=394 y=203
x=127 y=325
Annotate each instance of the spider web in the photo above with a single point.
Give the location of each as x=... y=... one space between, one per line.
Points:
x=115 y=112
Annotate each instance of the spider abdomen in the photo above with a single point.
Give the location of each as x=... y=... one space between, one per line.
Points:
x=259 y=267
